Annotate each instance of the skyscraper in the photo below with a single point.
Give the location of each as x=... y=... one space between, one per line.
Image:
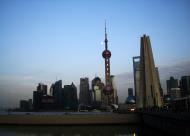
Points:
x=42 y=88
x=26 y=105
x=185 y=85
x=150 y=93
x=70 y=97
x=171 y=83
x=173 y=89
x=130 y=91
x=108 y=89
x=97 y=87
x=113 y=84
x=37 y=95
x=84 y=95
x=136 y=74
x=131 y=98
x=37 y=100
x=57 y=92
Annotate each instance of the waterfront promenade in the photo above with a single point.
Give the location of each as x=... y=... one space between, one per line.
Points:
x=67 y=118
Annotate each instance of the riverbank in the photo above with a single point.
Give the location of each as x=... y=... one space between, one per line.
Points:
x=77 y=119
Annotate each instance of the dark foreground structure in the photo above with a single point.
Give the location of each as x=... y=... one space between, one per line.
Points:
x=170 y=123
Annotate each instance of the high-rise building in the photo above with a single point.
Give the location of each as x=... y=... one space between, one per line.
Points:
x=48 y=102
x=136 y=74
x=108 y=89
x=173 y=89
x=84 y=95
x=57 y=92
x=130 y=98
x=70 y=97
x=150 y=93
x=42 y=88
x=171 y=83
x=130 y=91
x=37 y=96
x=97 y=89
x=185 y=85
x=26 y=105
x=113 y=83
x=174 y=93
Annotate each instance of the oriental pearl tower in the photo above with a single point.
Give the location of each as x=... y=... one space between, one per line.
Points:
x=108 y=89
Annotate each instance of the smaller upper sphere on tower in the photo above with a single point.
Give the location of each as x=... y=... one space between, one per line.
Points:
x=106 y=54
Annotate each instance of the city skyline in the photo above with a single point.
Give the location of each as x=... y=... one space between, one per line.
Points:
x=44 y=41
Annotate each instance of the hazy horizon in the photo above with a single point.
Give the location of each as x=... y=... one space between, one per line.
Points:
x=123 y=82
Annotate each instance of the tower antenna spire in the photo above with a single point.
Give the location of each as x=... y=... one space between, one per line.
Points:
x=106 y=40
x=105 y=31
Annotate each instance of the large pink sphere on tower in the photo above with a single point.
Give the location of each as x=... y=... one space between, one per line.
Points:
x=106 y=54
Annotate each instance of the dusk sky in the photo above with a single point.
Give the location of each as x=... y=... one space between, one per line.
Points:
x=45 y=40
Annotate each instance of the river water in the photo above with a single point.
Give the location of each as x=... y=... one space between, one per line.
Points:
x=102 y=130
